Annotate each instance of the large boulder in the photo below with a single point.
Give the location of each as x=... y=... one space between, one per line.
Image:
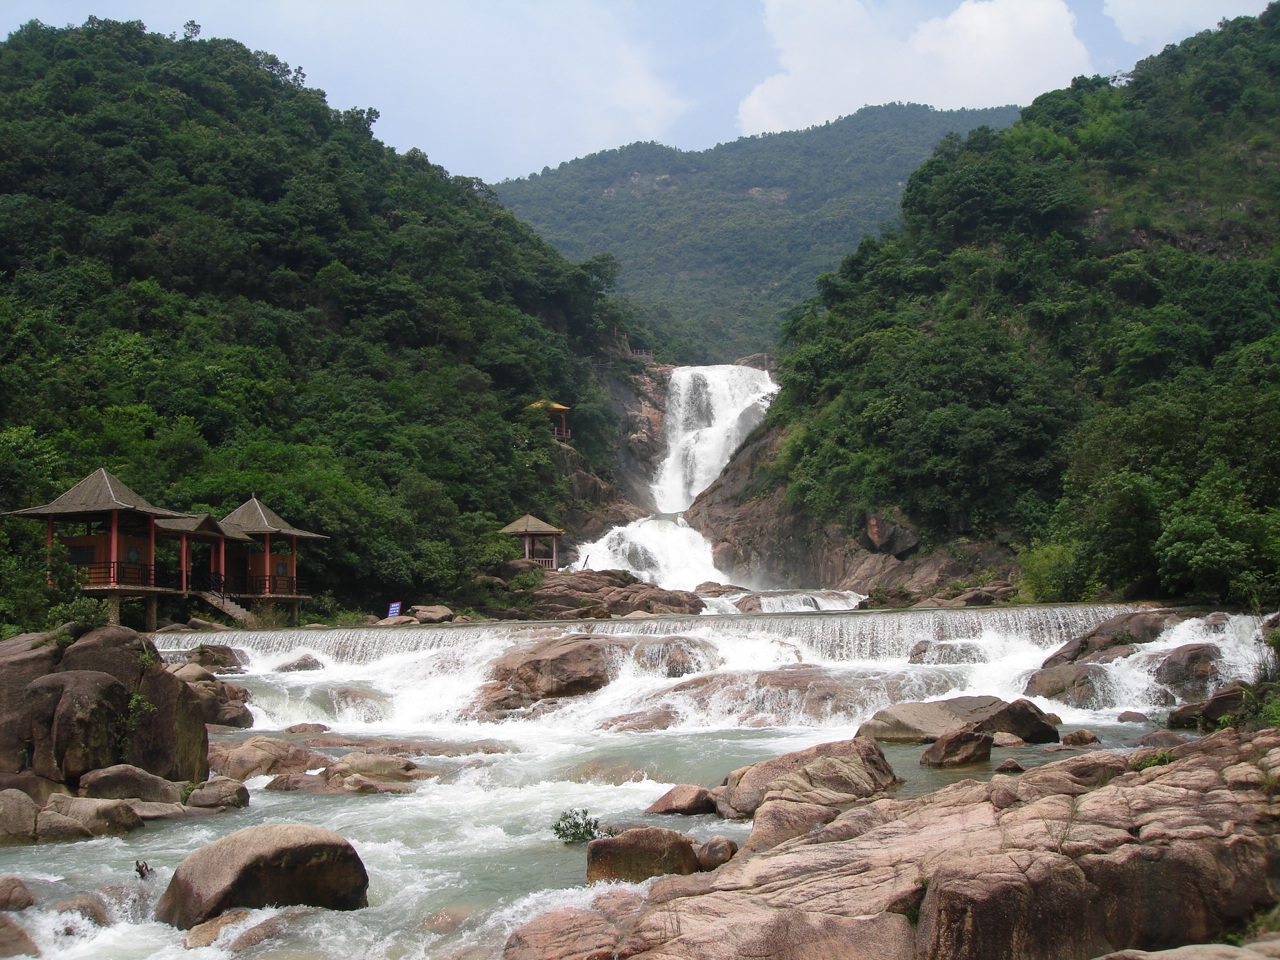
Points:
x=99 y=817
x=561 y=666
x=1023 y=719
x=1124 y=629
x=1081 y=685
x=636 y=855
x=124 y=781
x=165 y=732
x=829 y=774
x=14 y=941
x=1191 y=671
x=219 y=792
x=959 y=748
x=568 y=595
x=23 y=658
x=263 y=756
x=685 y=798
x=272 y=864
x=75 y=721
x=926 y=722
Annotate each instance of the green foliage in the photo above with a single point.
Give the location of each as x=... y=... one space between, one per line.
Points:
x=1156 y=758
x=576 y=826
x=138 y=709
x=1073 y=340
x=215 y=285
x=81 y=609
x=715 y=245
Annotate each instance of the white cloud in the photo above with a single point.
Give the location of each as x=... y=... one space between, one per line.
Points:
x=839 y=55
x=1155 y=23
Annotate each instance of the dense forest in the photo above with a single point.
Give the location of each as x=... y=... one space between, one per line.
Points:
x=715 y=245
x=1072 y=341
x=215 y=285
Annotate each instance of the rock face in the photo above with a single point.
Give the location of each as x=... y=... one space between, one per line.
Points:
x=280 y=864
x=68 y=707
x=615 y=592
x=829 y=774
x=1074 y=859
x=636 y=855
x=958 y=748
x=762 y=538
x=926 y=722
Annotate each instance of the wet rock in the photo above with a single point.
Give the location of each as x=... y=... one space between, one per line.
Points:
x=829 y=774
x=89 y=907
x=566 y=595
x=958 y=748
x=373 y=766
x=195 y=623
x=687 y=799
x=218 y=657
x=778 y=820
x=1160 y=738
x=636 y=855
x=1075 y=684
x=72 y=718
x=280 y=864
x=716 y=852
x=1132 y=716
x=1191 y=671
x=1010 y=766
x=99 y=817
x=925 y=722
x=431 y=614
x=259 y=756
x=14 y=941
x=124 y=781
x=611 y=770
x=207 y=933
x=17 y=818
x=1079 y=738
x=1021 y=718
x=219 y=792
x=37 y=788
x=268 y=929
x=655 y=718
x=1121 y=630
x=676 y=656
x=307 y=728
x=566 y=666
x=565 y=934
x=1006 y=740
x=1226 y=702
x=305 y=662
x=14 y=894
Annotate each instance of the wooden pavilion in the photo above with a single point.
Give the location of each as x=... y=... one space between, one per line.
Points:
x=531 y=530
x=561 y=432
x=113 y=536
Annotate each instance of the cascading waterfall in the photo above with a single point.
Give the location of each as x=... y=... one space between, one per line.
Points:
x=710 y=411
x=469 y=854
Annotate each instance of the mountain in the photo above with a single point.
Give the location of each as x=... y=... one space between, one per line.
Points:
x=215 y=285
x=1072 y=342
x=716 y=245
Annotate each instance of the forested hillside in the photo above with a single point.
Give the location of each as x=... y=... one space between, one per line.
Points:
x=215 y=285
x=1073 y=339
x=715 y=245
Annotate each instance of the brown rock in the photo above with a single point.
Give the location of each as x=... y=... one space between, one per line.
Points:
x=566 y=666
x=374 y=766
x=566 y=934
x=716 y=852
x=280 y=864
x=307 y=728
x=566 y=595
x=99 y=817
x=218 y=657
x=1225 y=702
x=1191 y=671
x=14 y=894
x=259 y=756
x=779 y=820
x=676 y=656
x=124 y=781
x=1023 y=719
x=1077 y=684
x=1121 y=630
x=957 y=749
x=72 y=718
x=1010 y=766
x=829 y=774
x=639 y=854
x=206 y=934
x=219 y=792
x=1132 y=716
x=87 y=906
x=305 y=662
x=1160 y=738
x=14 y=941
x=925 y=722
x=432 y=614
x=686 y=799
x=1079 y=738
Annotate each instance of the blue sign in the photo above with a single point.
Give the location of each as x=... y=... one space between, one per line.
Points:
x=394 y=609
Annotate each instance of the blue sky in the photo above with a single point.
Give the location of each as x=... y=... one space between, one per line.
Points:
x=501 y=88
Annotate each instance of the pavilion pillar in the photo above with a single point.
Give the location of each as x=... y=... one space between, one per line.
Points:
x=149 y=621
x=48 y=551
x=151 y=552
x=115 y=555
x=528 y=546
x=267 y=568
x=184 y=560
x=113 y=610
x=555 y=553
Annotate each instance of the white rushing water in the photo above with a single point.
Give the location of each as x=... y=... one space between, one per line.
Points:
x=469 y=855
x=710 y=411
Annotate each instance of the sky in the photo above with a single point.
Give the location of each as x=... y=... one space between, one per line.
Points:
x=499 y=89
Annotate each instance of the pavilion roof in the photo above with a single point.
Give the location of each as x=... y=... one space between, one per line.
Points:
x=99 y=492
x=203 y=523
x=254 y=516
x=531 y=524
x=549 y=405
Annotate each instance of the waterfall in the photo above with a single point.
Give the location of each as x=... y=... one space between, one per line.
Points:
x=710 y=411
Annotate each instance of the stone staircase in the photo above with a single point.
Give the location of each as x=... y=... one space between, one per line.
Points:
x=230 y=608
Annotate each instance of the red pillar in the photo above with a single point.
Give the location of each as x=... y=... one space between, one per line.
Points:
x=115 y=545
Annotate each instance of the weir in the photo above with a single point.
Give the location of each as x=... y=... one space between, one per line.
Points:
x=827 y=635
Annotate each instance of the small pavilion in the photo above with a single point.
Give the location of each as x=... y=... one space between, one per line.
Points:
x=531 y=529
x=553 y=409
x=110 y=534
